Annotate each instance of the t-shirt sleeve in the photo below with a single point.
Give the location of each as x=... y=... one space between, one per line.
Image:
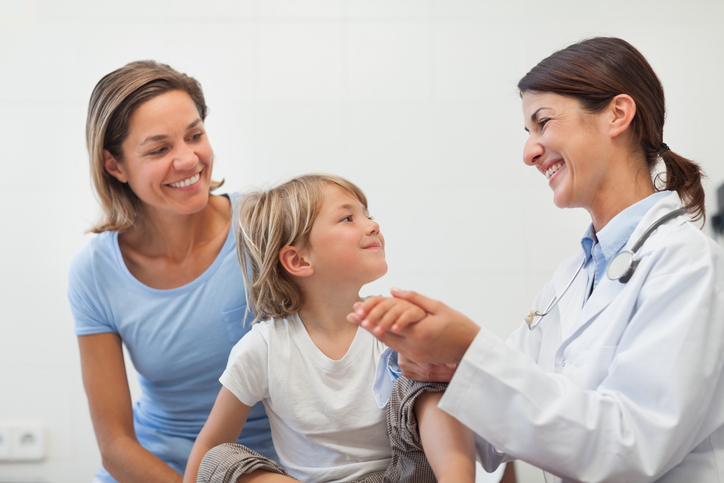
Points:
x=388 y=371
x=90 y=313
x=246 y=374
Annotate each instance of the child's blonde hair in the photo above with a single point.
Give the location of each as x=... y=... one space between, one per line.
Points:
x=270 y=220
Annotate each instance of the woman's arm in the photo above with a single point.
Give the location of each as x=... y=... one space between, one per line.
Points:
x=109 y=400
x=224 y=425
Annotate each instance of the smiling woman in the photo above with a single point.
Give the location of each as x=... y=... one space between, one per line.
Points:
x=623 y=380
x=161 y=276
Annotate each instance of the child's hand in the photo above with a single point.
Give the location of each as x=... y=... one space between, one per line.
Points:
x=391 y=314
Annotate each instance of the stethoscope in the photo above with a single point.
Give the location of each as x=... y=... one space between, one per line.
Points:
x=621 y=268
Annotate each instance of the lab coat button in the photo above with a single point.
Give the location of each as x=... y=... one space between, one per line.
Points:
x=563 y=363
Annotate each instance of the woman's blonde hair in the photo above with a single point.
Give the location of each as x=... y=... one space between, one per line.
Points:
x=270 y=220
x=114 y=100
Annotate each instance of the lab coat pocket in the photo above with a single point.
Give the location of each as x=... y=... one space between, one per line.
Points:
x=591 y=366
x=234 y=323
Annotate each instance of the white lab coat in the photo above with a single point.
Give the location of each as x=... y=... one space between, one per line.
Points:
x=625 y=387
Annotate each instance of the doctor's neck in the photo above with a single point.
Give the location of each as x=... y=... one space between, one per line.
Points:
x=624 y=187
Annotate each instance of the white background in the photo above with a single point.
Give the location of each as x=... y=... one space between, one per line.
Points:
x=413 y=100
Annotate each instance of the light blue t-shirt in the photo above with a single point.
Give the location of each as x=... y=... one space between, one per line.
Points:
x=179 y=341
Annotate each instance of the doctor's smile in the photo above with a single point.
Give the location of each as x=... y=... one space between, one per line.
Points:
x=548 y=173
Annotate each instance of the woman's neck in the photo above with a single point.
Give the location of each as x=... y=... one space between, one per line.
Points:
x=628 y=183
x=176 y=236
x=169 y=252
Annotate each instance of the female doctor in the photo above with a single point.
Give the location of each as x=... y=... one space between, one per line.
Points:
x=617 y=377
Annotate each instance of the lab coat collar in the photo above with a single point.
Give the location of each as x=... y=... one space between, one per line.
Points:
x=607 y=289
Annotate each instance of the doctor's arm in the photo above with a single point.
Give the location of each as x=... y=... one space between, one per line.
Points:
x=224 y=425
x=109 y=400
x=657 y=400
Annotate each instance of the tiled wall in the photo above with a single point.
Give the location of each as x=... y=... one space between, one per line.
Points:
x=414 y=100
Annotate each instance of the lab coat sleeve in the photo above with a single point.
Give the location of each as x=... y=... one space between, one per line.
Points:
x=660 y=397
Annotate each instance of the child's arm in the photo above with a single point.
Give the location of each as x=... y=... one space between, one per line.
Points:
x=224 y=425
x=448 y=444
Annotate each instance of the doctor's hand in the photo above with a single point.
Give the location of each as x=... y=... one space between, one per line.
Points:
x=426 y=372
x=441 y=337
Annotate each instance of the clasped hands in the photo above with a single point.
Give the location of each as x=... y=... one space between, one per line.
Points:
x=430 y=337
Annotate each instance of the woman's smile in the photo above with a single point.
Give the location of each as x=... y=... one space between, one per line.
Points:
x=553 y=170
x=184 y=183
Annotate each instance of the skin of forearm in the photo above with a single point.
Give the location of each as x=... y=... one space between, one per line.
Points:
x=448 y=444
x=127 y=461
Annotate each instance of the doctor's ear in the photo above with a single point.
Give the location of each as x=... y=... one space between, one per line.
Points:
x=295 y=262
x=113 y=167
x=622 y=110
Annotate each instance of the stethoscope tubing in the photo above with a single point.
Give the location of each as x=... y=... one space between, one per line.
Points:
x=537 y=316
x=555 y=299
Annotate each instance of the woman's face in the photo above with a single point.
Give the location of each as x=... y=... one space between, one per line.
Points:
x=167 y=156
x=568 y=146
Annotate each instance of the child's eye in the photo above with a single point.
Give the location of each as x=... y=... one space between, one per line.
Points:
x=347 y=218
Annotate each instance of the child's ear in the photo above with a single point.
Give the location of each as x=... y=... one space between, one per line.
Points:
x=294 y=262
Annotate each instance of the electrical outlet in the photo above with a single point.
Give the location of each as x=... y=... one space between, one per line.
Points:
x=28 y=443
x=21 y=441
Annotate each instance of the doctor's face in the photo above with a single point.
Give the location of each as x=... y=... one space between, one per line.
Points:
x=566 y=144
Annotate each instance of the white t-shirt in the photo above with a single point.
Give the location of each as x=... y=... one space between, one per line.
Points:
x=325 y=422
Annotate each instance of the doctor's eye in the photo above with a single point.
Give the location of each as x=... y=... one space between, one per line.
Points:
x=542 y=123
x=158 y=151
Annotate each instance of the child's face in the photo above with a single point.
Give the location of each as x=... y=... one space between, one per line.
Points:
x=345 y=245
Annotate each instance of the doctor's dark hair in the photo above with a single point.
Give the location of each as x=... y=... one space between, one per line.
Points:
x=596 y=70
x=114 y=100
x=269 y=220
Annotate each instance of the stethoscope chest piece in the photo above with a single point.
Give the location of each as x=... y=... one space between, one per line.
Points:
x=622 y=266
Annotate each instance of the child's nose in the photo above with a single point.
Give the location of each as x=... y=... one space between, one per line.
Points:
x=374 y=227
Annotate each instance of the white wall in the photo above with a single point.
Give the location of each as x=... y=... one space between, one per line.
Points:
x=414 y=100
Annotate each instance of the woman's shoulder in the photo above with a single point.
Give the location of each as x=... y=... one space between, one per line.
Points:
x=680 y=235
x=101 y=248
x=234 y=197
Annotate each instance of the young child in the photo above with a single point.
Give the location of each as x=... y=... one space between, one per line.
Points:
x=307 y=247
